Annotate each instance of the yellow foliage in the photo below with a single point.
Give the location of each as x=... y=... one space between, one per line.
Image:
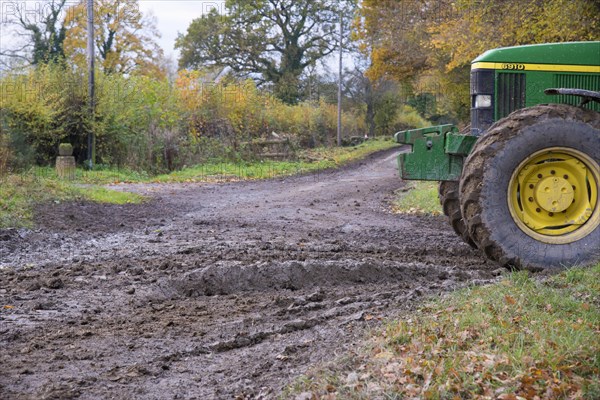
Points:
x=478 y=26
x=252 y=113
x=139 y=120
x=408 y=39
x=125 y=39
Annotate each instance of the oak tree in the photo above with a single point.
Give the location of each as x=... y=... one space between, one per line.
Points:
x=271 y=40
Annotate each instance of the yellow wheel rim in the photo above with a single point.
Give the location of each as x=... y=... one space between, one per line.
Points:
x=553 y=195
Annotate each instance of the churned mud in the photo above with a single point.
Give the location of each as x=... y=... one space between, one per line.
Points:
x=215 y=291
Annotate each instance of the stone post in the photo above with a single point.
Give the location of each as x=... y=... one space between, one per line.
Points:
x=65 y=162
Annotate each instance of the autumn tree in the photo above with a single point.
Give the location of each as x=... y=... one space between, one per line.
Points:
x=419 y=40
x=272 y=40
x=394 y=35
x=125 y=39
x=37 y=30
x=474 y=26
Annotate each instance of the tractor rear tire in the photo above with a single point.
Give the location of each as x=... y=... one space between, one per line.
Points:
x=529 y=188
x=448 y=195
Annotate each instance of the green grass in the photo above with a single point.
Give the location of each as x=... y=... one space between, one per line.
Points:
x=104 y=195
x=418 y=197
x=309 y=161
x=20 y=193
x=521 y=338
x=227 y=171
x=218 y=171
x=102 y=175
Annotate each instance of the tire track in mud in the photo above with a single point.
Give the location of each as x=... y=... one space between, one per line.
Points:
x=216 y=291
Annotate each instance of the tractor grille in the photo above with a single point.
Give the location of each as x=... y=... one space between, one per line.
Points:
x=572 y=81
x=511 y=93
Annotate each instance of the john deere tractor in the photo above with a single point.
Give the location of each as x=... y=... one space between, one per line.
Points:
x=522 y=184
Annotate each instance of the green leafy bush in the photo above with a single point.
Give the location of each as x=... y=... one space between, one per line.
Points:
x=152 y=124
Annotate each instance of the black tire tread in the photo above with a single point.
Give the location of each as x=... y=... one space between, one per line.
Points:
x=448 y=194
x=489 y=144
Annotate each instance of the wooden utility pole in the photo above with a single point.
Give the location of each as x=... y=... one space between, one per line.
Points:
x=91 y=151
x=339 y=121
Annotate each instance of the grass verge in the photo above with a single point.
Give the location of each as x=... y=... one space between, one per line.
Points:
x=218 y=171
x=418 y=197
x=520 y=339
x=309 y=161
x=20 y=193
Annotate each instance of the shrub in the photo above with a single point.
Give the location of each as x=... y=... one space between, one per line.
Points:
x=151 y=124
x=5 y=154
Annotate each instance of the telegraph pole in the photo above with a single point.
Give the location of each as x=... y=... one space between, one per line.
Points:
x=339 y=121
x=91 y=151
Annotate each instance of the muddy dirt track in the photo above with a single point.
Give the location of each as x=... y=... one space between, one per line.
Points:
x=215 y=291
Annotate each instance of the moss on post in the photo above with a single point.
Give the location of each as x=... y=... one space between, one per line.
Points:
x=65 y=149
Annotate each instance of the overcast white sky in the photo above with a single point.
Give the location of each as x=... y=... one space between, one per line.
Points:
x=174 y=16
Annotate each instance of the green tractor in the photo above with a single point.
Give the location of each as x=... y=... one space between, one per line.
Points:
x=522 y=185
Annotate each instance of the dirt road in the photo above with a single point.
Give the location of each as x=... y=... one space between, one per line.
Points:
x=214 y=291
